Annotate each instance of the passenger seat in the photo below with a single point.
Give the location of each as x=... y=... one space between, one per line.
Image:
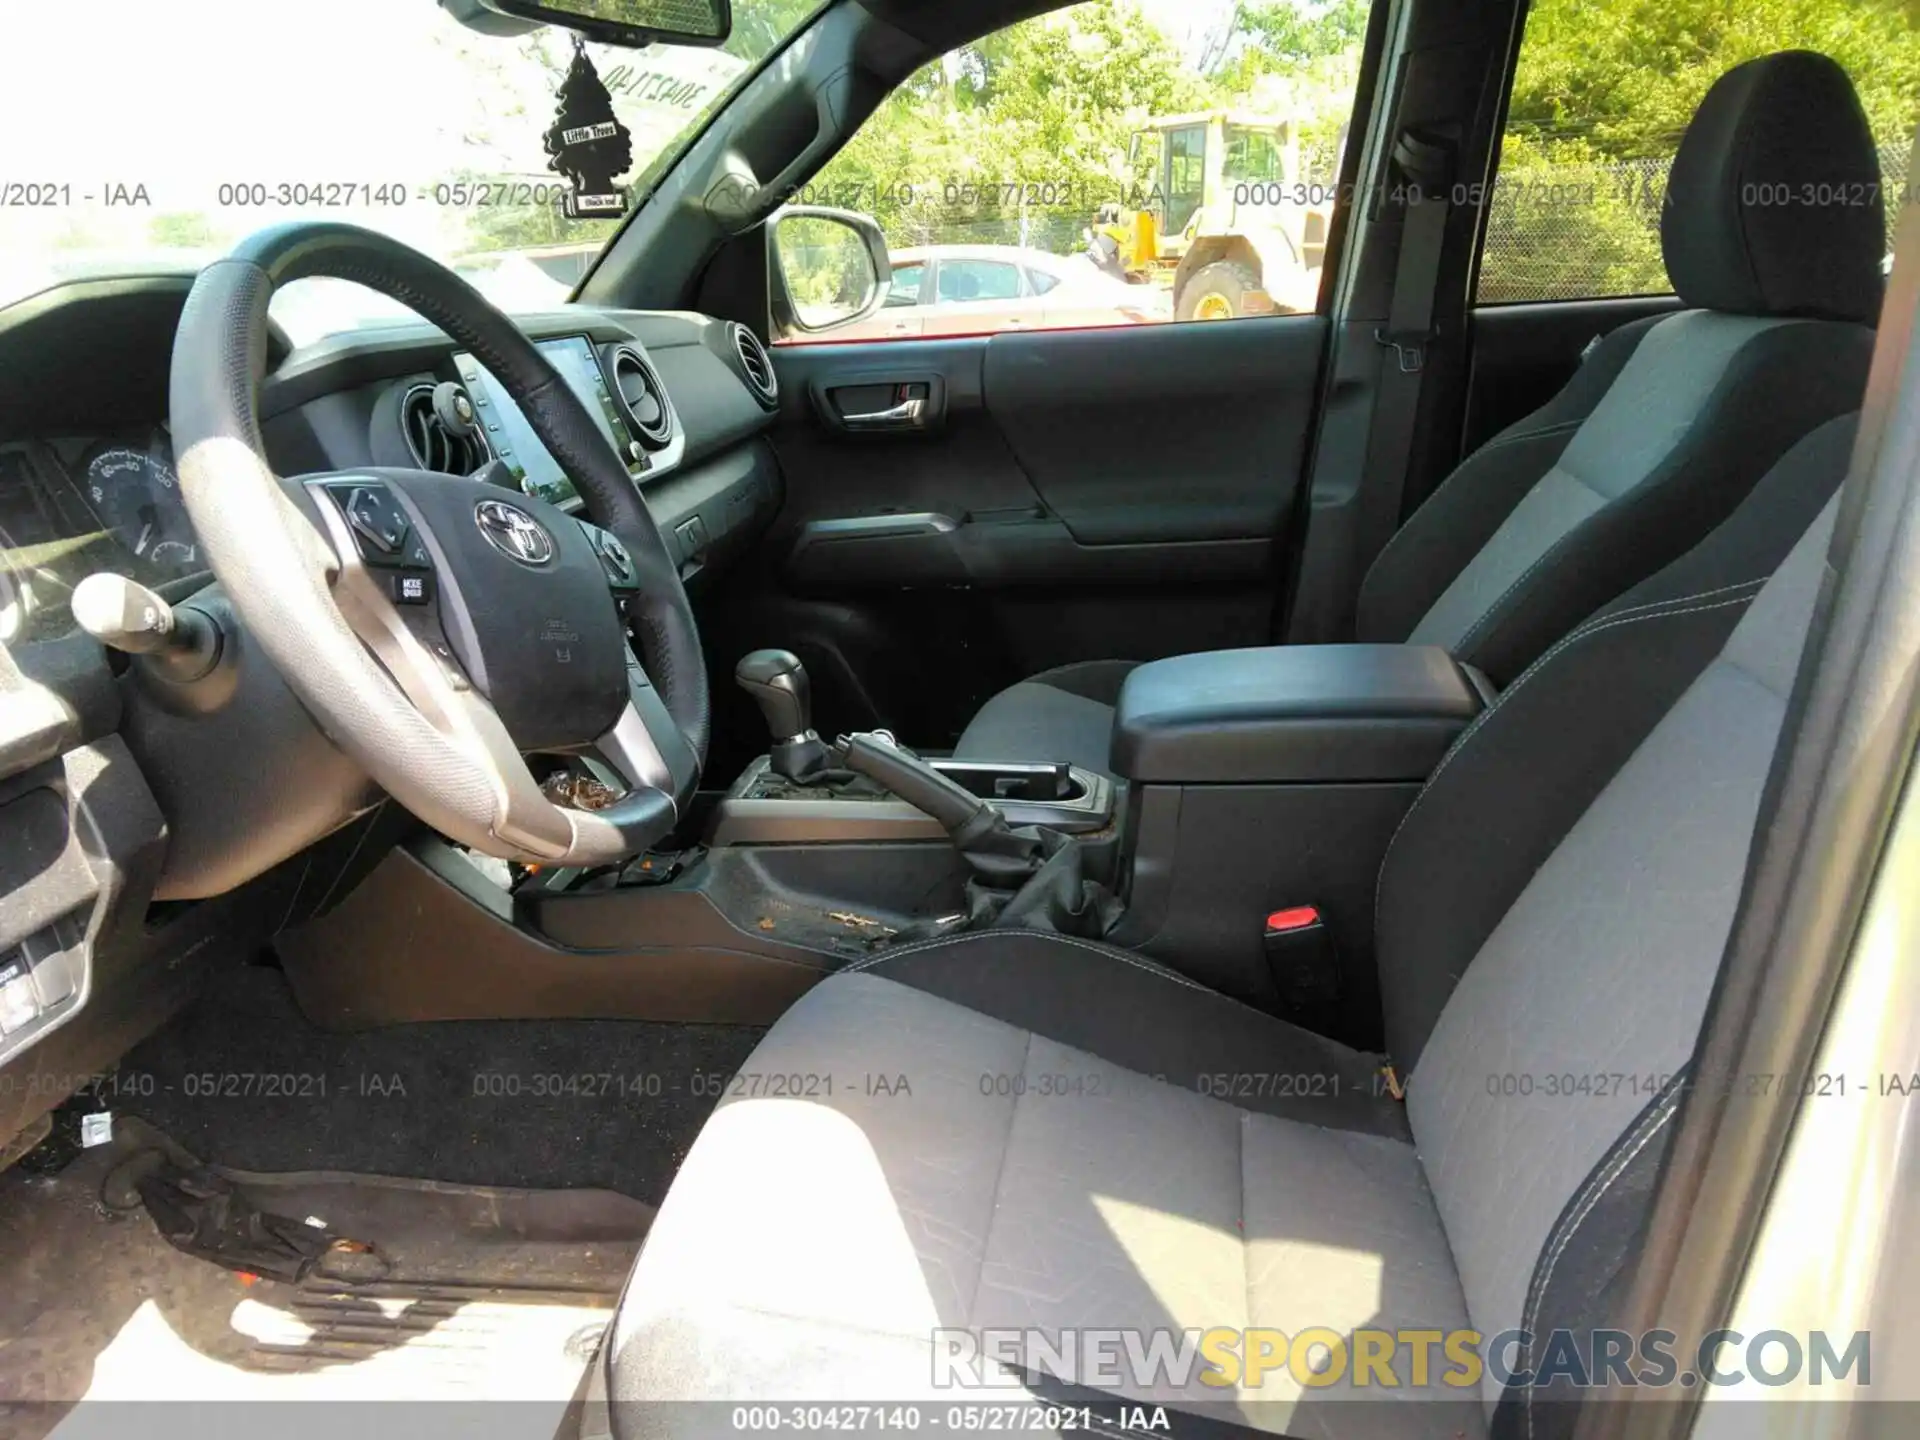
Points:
x=1659 y=435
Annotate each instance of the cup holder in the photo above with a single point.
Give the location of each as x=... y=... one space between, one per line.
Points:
x=1054 y=784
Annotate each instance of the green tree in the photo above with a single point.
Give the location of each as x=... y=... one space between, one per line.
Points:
x=1296 y=35
x=1603 y=92
x=759 y=25
x=1019 y=137
x=1626 y=75
x=1302 y=63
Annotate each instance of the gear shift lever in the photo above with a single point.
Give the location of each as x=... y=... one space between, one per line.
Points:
x=777 y=681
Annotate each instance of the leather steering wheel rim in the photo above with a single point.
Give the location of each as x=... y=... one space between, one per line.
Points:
x=279 y=570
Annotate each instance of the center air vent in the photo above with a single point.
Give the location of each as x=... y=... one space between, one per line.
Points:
x=757 y=365
x=437 y=440
x=643 y=397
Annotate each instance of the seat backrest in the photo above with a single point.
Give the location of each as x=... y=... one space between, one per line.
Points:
x=1543 y=1080
x=1670 y=421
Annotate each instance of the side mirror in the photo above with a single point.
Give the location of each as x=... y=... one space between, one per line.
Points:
x=828 y=268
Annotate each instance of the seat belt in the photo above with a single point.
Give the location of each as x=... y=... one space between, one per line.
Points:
x=1426 y=167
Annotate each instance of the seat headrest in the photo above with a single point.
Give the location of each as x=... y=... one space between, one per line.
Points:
x=1773 y=206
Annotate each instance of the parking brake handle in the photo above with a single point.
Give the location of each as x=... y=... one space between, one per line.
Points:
x=961 y=813
x=1027 y=878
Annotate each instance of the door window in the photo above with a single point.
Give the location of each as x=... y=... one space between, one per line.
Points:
x=1090 y=138
x=1184 y=179
x=1601 y=96
x=906 y=285
x=1253 y=155
x=964 y=280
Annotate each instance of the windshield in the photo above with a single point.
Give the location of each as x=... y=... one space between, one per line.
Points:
x=151 y=136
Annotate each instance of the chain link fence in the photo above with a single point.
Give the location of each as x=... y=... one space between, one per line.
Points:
x=1572 y=232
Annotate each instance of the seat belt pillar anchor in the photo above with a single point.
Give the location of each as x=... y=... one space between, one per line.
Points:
x=1409 y=351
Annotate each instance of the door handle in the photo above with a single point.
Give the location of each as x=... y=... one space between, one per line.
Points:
x=907 y=415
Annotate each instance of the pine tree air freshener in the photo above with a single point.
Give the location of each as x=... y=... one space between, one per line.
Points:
x=588 y=144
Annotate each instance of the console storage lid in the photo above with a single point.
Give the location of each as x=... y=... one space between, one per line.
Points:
x=1292 y=713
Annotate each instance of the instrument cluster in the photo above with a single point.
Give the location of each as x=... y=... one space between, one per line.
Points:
x=70 y=507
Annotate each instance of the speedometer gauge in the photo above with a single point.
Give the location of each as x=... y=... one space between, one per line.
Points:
x=136 y=496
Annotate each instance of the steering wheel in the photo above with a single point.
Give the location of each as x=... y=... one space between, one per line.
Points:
x=437 y=629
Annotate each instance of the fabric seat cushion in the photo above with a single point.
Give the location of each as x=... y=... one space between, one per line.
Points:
x=1063 y=714
x=1023 y=1186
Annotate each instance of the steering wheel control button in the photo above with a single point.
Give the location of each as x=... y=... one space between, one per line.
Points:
x=513 y=532
x=415 y=556
x=412 y=589
x=377 y=520
x=622 y=573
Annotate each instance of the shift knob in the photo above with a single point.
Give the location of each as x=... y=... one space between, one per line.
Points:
x=777 y=681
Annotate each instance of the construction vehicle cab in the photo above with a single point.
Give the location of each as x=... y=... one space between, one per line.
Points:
x=1227 y=219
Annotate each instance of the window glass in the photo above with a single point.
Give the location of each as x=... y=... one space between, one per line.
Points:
x=1602 y=94
x=964 y=280
x=1254 y=154
x=145 y=136
x=1154 y=160
x=906 y=285
x=1185 y=180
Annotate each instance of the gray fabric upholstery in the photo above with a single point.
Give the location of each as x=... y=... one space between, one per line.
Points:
x=1461 y=515
x=1638 y=425
x=823 y=1230
x=1064 y=714
x=1786 y=125
x=1148 y=1018
x=1626 y=921
x=1531 y=764
x=809 y=1232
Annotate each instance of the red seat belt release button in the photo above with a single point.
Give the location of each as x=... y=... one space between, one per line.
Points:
x=1302 y=957
x=1298 y=917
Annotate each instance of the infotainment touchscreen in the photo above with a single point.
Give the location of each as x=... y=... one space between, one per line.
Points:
x=512 y=438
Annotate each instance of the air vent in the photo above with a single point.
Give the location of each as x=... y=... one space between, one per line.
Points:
x=756 y=365
x=643 y=397
x=437 y=445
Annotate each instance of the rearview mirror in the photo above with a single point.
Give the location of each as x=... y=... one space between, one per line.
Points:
x=628 y=22
x=829 y=268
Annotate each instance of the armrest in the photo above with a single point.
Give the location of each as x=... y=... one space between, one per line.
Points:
x=1292 y=713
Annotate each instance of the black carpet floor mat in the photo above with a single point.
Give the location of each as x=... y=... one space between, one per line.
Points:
x=243 y=1080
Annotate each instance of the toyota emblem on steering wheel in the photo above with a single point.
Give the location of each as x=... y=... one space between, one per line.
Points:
x=513 y=532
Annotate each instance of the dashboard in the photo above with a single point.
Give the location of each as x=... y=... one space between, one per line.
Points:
x=146 y=828
x=87 y=478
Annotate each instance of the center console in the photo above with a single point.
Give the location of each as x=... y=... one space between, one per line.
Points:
x=1269 y=782
x=1250 y=783
x=763 y=808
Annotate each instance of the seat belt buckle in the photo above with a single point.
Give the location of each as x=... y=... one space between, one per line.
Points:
x=1302 y=957
x=1411 y=353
